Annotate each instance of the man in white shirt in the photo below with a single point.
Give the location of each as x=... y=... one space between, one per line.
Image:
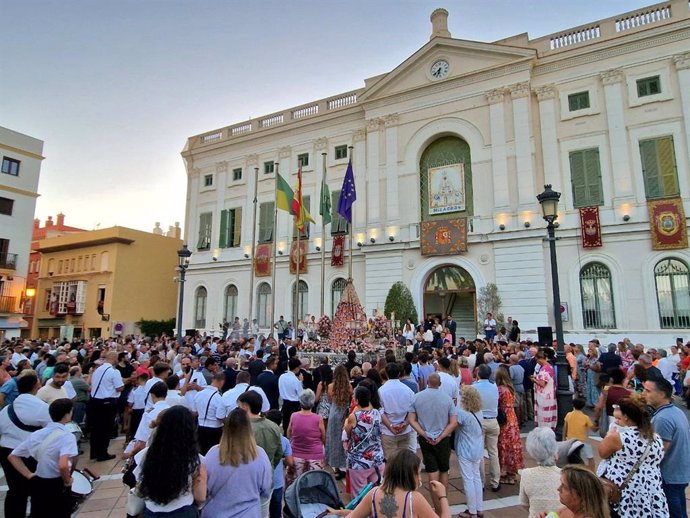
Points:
x=449 y=384
x=17 y=355
x=53 y=447
x=158 y=393
x=55 y=389
x=161 y=371
x=206 y=404
x=290 y=387
x=174 y=397
x=106 y=385
x=18 y=420
x=396 y=398
x=229 y=399
x=192 y=381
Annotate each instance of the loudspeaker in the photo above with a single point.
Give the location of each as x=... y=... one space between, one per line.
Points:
x=192 y=332
x=545 y=336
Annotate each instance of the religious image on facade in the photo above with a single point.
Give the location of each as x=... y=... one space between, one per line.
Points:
x=446 y=189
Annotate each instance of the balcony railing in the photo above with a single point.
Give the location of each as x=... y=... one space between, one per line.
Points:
x=8 y=304
x=8 y=261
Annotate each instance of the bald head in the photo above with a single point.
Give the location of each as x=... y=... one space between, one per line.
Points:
x=111 y=357
x=434 y=380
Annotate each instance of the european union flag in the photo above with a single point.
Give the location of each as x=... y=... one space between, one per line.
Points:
x=348 y=194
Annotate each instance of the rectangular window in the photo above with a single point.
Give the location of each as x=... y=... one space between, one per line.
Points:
x=648 y=86
x=208 y=180
x=70 y=297
x=230 y=228
x=269 y=167
x=338 y=223
x=340 y=152
x=266 y=222
x=578 y=101
x=585 y=177
x=10 y=166
x=100 y=303
x=303 y=159
x=205 y=222
x=6 y=206
x=659 y=168
x=305 y=232
x=46 y=301
x=237 y=174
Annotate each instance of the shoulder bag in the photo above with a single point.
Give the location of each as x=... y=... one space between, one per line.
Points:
x=612 y=489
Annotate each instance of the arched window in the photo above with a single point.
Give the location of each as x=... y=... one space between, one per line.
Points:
x=597 y=297
x=672 y=293
x=200 y=308
x=230 y=306
x=337 y=289
x=263 y=304
x=299 y=305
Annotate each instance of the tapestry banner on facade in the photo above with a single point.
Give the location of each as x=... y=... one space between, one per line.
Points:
x=667 y=223
x=338 y=252
x=444 y=237
x=591 y=227
x=262 y=259
x=446 y=189
x=302 y=257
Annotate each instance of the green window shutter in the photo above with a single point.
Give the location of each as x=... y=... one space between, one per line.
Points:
x=595 y=195
x=650 y=169
x=266 y=222
x=237 y=227
x=577 y=178
x=223 y=240
x=667 y=166
x=338 y=223
x=205 y=220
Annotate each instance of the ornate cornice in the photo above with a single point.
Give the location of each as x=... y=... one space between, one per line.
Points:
x=285 y=152
x=682 y=61
x=252 y=159
x=495 y=96
x=374 y=124
x=546 y=92
x=612 y=77
x=391 y=120
x=359 y=135
x=321 y=144
x=519 y=90
x=221 y=167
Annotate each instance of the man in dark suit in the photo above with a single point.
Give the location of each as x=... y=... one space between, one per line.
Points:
x=268 y=382
x=230 y=374
x=452 y=327
x=256 y=366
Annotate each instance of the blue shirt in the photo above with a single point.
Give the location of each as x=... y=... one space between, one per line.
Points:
x=489 y=393
x=671 y=424
x=9 y=388
x=278 y=479
x=469 y=437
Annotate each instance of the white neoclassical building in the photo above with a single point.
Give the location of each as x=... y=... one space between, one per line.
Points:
x=457 y=141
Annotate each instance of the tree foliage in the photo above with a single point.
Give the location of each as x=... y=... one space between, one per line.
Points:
x=399 y=300
x=157 y=327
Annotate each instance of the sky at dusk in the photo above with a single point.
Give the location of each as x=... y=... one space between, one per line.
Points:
x=114 y=88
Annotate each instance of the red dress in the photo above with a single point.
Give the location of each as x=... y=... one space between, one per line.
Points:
x=509 y=443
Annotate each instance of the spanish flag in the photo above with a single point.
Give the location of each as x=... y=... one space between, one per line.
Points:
x=284 y=194
x=298 y=209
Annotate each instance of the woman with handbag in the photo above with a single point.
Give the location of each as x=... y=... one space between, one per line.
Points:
x=630 y=471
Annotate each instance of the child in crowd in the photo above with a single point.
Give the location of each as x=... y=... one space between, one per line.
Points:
x=136 y=401
x=275 y=509
x=576 y=426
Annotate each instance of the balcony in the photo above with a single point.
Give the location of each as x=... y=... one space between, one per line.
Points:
x=8 y=261
x=8 y=304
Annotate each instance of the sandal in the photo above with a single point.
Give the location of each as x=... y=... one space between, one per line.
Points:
x=467 y=514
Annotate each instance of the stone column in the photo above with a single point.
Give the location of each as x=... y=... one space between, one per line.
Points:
x=499 y=160
x=320 y=146
x=359 y=167
x=192 y=233
x=252 y=161
x=220 y=182
x=521 y=96
x=372 y=173
x=618 y=142
x=682 y=62
x=392 y=193
x=546 y=95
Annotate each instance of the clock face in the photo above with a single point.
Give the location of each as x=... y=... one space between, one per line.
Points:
x=440 y=69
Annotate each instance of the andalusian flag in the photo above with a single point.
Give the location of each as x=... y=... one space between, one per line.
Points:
x=298 y=209
x=284 y=194
x=325 y=205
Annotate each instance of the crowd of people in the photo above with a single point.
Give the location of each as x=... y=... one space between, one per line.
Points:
x=221 y=427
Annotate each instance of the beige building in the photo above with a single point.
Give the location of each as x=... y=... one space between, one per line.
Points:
x=100 y=283
x=463 y=135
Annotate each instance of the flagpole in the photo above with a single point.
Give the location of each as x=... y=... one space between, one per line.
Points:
x=251 y=272
x=275 y=248
x=349 y=269
x=298 y=232
x=323 y=239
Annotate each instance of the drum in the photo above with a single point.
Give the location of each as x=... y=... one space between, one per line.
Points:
x=82 y=487
x=75 y=429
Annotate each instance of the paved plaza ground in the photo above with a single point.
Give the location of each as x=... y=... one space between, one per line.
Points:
x=110 y=496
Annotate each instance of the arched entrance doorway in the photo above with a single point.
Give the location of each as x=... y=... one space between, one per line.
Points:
x=450 y=290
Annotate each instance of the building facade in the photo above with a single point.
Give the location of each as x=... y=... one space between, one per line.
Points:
x=100 y=283
x=19 y=175
x=451 y=148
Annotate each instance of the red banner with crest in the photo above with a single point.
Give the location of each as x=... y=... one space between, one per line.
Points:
x=262 y=259
x=338 y=252
x=302 y=257
x=591 y=227
x=444 y=237
x=667 y=224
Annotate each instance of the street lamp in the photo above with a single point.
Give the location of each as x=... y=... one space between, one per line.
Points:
x=183 y=255
x=549 y=207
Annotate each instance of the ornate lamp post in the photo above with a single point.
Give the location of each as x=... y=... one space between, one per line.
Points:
x=549 y=207
x=183 y=255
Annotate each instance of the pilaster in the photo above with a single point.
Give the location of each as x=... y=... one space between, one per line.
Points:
x=546 y=96
x=682 y=62
x=372 y=173
x=392 y=192
x=498 y=149
x=521 y=96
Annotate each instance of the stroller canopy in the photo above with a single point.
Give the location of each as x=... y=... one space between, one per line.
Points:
x=311 y=493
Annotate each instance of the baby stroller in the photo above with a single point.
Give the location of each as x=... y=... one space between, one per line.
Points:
x=311 y=493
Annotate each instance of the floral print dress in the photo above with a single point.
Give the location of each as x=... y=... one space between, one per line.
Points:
x=509 y=443
x=366 y=448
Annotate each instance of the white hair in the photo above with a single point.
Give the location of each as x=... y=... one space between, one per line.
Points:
x=307 y=398
x=541 y=445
